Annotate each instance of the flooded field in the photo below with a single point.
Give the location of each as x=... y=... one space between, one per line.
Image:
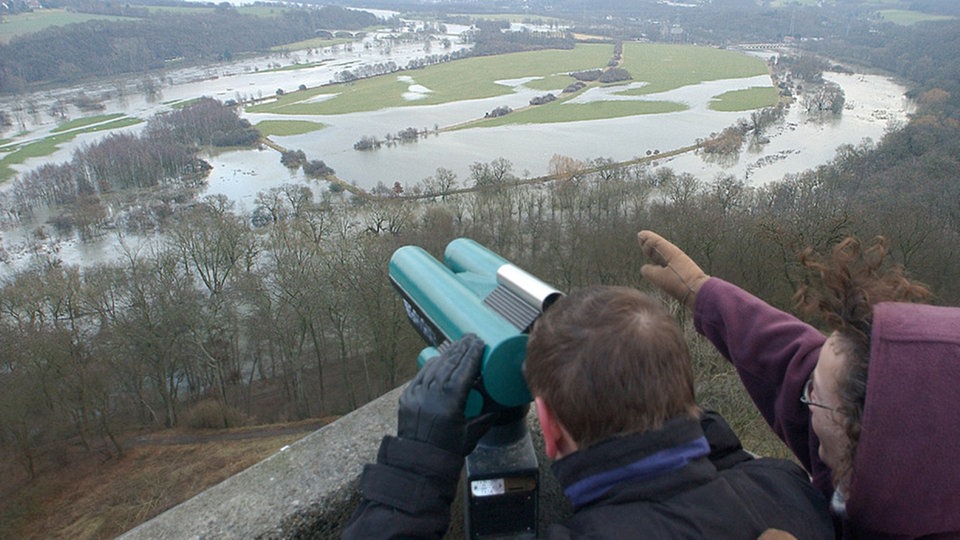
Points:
x=874 y=105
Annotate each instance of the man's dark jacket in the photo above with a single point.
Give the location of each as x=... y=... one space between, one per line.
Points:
x=686 y=480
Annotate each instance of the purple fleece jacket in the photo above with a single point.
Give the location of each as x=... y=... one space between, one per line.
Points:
x=906 y=473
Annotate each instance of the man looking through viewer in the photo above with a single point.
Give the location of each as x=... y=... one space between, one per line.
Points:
x=613 y=389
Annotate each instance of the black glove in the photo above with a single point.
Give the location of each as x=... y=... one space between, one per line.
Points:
x=432 y=406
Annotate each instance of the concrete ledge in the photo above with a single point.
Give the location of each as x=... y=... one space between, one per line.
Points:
x=309 y=489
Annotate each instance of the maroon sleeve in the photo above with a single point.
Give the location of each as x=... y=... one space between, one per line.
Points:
x=774 y=354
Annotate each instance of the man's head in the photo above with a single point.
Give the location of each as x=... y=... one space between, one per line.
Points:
x=608 y=361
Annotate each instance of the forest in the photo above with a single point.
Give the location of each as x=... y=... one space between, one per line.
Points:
x=161 y=40
x=137 y=178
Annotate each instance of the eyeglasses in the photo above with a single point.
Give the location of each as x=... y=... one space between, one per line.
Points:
x=805 y=396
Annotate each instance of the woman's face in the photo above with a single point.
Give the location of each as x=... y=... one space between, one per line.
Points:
x=827 y=423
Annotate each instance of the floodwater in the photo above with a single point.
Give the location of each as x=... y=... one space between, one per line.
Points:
x=529 y=147
x=241 y=175
x=874 y=105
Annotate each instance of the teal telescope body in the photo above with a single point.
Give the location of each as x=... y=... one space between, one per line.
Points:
x=474 y=291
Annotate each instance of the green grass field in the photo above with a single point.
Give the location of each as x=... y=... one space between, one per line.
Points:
x=907 y=18
x=470 y=78
x=259 y=11
x=27 y=23
x=48 y=145
x=86 y=121
x=557 y=112
x=745 y=100
x=43 y=147
x=287 y=127
x=294 y=67
x=662 y=67
x=667 y=67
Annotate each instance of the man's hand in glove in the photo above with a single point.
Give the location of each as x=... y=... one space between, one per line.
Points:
x=432 y=405
x=670 y=269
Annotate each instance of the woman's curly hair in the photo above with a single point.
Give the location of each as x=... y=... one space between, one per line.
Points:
x=842 y=289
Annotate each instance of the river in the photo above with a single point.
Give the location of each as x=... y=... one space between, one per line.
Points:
x=874 y=105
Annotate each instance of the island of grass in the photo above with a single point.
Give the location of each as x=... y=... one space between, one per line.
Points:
x=745 y=100
x=576 y=112
x=60 y=135
x=269 y=128
x=86 y=121
x=660 y=67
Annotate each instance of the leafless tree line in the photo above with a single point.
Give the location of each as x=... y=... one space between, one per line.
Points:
x=295 y=318
x=164 y=158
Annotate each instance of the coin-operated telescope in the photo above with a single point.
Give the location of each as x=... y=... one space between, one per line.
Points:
x=474 y=290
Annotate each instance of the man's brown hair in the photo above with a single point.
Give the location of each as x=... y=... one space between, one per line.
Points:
x=610 y=361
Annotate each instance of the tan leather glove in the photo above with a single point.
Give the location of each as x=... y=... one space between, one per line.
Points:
x=670 y=269
x=776 y=534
